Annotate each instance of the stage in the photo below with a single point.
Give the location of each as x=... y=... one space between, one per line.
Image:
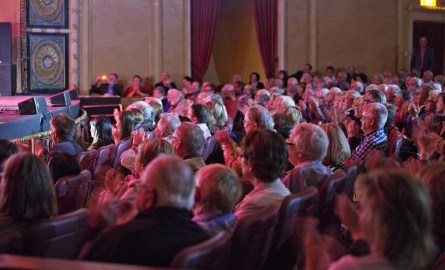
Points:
x=13 y=125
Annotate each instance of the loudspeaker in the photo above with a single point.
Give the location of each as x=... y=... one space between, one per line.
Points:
x=61 y=99
x=5 y=59
x=74 y=93
x=34 y=105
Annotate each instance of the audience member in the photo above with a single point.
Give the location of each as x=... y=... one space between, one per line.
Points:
x=101 y=132
x=188 y=143
x=108 y=87
x=62 y=128
x=218 y=190
x=62 y=164
x=163 y=226
x=136 y=89
x=168 y=123
x=264 y=161
x=7 y=149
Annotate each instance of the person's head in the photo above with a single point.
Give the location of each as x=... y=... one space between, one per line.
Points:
x=156 y=105
x=432 y=176
x=62 y=164
x=188 y=140
x=374 y=117
x=391 y=197
x=430 y=105
x=159 y=92
x=218 y=189
x=392 y=110
x=168 y=123
x=357 y=86
x=262 y=96
x=136 y=80
x=218 y=111
x=112 y=78
x=423 y=41
x=101 y=129
x=292 y=114
x=281 y=125
x=282 y=75
x=374 y=95
x=236 y=78
x=329 y=71
x=391 y=93
x=186 y=81
x=341 y=76
x=307 y=68
x=440 y=106
x=7 y=149
x=148 y=116
x=62 y=127
x=265 y=155
x=165 y=76
x=166 y=181
x=27 y=189
x=198 y=114
x=348 y=99
x=126 y=122
x=209 y=88
x=423 y=93
x=149 y=150
x=338 y=149
x=427 y=76
x=257 y=117
x=174 y=96
x=254 y=77
x=308 y=142
x=402 y=97
x=377 y=78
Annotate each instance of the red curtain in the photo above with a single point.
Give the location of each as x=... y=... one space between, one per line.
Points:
x=266 y=28
x=203 y=23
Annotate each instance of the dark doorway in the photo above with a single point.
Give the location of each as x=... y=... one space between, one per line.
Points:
x=435 y=33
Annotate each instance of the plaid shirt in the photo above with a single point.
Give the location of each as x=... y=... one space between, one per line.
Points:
x=376 y=139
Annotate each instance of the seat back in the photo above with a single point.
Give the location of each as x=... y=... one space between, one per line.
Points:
x=440 y=262
x=326 y=197
x=59 y=237
x=87 y=160
x=348 y=185
x=395 y=141
x=301 y=204
x=212 y=254
x=252 y=239
x=121 y=147
x=213 y=152
x=105 y=159
x=72 y=191
x=11 y=242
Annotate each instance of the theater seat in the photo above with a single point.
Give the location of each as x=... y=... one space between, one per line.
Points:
x=212 y=254
x=252 y=239
x=59 y=237
x=292 y=211
x=121 y=147
x=348 y=185
x=72 y=191
x=87 y=160
x=105 y=159
x=326 y=198
x=10 y=242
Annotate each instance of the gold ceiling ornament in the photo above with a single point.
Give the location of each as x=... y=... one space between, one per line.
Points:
x=47 y=62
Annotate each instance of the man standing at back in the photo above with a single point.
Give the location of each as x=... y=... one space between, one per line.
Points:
x=423 y=57
x=163 y=226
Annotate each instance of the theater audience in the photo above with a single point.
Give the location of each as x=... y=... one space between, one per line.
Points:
x=108 y=86
x=390 y=197
x=188 y=143
x=163 y=226
x=136 y=89
x=168 y=123
x=27 y=192
x=373 y=120
x=62 y=128
x=264 y=161
x=101 y=132
x=62 y=164
x=7 y=149
x=308 y=144
x=218 y=190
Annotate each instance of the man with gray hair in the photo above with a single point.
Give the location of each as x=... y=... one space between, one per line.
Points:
x=308 y=145
x=167 y=124
x=262 y=96
x=374 y=117
x=188 y=143
x=256 y=117
x=163 y=226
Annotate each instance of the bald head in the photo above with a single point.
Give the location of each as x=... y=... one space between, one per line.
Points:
x=166 y=181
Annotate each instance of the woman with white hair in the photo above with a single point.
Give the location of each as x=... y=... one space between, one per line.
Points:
x=308 y=144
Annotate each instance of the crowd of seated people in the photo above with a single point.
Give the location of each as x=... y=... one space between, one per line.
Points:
x=275 y=138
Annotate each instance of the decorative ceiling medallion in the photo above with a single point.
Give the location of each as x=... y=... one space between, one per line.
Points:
x=47 y=13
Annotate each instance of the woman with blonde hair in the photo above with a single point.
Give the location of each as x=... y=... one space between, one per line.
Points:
x=338 y=148
x=218 y=190
x=219 y=119
x=395 y=220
